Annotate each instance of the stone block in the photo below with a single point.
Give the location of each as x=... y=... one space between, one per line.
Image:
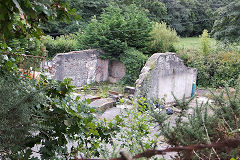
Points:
x=165 y=74
x=129 y=90
x=103 y=104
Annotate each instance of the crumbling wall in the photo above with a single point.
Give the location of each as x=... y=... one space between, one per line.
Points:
x=165 y=74
x=83 y=67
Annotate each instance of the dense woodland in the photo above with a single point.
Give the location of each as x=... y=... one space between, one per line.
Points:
x=187 y=17
x=34 y=112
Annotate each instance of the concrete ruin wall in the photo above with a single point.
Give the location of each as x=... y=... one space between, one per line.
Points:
x=83 y=67
x=164 y=74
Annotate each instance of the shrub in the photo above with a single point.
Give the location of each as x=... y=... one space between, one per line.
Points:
x=61 y=44
x=118 y=29
x=163 y=38
x=18 y=98
x=205 y=43
x=134 y=60
x=220 y=67
x=206 y=124
x=43 y=112
x=29 y=46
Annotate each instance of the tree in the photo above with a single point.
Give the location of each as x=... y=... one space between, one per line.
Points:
x=227 y=25
x=19 y=96
x=22 y=17
x=155 y=9
x=85 y=9
x=118 y=29
x=191 y=17
x=163 y=38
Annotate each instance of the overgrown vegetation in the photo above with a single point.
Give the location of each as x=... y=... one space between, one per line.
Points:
x=48 y=116
x=116 y=30
x=206 y=124
x=217 y=65
x=163 y=38
x=134 y=61
x=187 y=17
x=16 y=122
x=43 y=113
x=226 y=26
x=61 y=44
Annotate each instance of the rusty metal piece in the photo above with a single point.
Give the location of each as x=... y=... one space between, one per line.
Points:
x=113 y=92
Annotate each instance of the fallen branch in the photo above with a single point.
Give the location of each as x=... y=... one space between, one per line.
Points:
x=230 y=143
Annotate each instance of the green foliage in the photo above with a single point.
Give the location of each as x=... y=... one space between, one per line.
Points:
x=28 y=46
x=191 y=17
x=134 y=61
x=156 y=9
x=22 y=17
x=107 y=33
x=205 y=43
x=18 y=98
x=227 y=25
x=53 y=120
x=118 y=29
x=85 y=9
x=207 y=123
x=163 y=38
x=61 y=44
x=67 y=120
x=227 y=108
x=134 y=134
x=219 y=67
x=135 y=137
x=89 y=8
x=43 y=112
x=137 y=28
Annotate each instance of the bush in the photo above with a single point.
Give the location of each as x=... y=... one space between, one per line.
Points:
x=163 y=38
x=28 y=46
x=205 y=43
x=17 y=100
x=221 y=66
x=43 y=112
x=205 y=125
x=134 y=61
x=53 y=121
x=118 y=29
x=61 y=44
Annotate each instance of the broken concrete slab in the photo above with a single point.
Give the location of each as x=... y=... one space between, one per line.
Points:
x=165 y=74
x=110 y=113
x=129 y=90
x=103 y=104
x=83 y=97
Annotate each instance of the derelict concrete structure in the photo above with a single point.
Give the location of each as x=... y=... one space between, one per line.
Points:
x=165 y=74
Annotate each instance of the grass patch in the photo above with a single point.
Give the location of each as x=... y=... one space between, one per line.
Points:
x=192 y=43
